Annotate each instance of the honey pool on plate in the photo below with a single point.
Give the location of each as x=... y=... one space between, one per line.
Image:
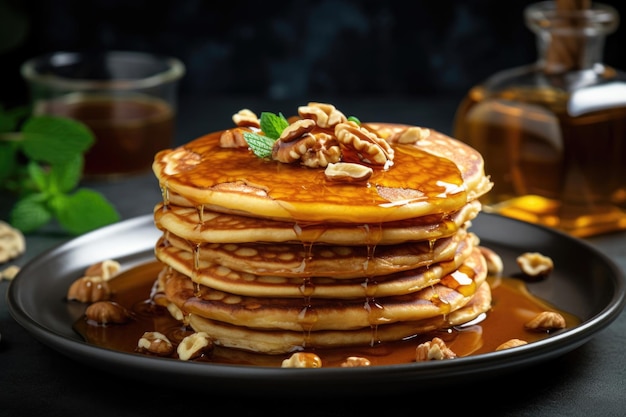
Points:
x=512 y=306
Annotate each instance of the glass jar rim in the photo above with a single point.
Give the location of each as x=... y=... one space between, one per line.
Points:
x=41 y=69
x=545 y=15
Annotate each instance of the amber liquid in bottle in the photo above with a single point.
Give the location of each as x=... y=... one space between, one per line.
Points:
x=547 y=166
x=553 y=134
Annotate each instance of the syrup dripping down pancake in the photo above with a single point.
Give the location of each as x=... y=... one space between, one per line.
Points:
x=438 y=174
x=209 y=226
x=313 y=314
x=285 y=341
x=298 y=260
x=222 y=278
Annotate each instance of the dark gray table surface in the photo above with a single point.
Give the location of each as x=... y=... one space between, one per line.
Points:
x=35 y=380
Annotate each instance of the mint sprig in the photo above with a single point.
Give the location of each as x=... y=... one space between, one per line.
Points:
x=41 y=161
x=272 y=125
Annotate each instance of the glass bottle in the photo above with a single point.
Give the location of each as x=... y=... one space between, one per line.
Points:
x=553 y=133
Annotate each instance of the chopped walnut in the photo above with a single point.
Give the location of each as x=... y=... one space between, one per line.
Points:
x=194 y=345
x=156 y=343
x=546 y=321
x=495 y=265
x=105 y=269
x=311 y=150
x=246 y=118
x=511 y=344
x=355 y=361
x=9 y=272
x=89 y=289
x=325 y=115
x=233 y=138
x=302 y=360
x=107 y=312
x=12 y=242
x=410 y=135
x=367 y=145
x=348 y=172
x=534 y=264
x=435 y=349
x=297 y=129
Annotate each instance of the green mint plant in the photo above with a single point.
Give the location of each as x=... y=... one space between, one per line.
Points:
x=41 y=162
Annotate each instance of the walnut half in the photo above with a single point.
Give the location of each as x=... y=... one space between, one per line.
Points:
x=534 y=264
x=89 y=289
x=435 y=349
x=194 y=346
x=546 y=321
x=302 y=360
x=348 y=172
x=107 y=312
x=156 y=343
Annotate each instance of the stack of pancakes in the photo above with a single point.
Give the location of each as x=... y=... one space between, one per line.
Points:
x=275 y=255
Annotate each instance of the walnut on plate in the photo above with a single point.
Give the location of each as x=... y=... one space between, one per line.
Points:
x=435 y=349
x=107 y=312
x=194 y=345
x=156 y=343
x=302 y=360
x=535 y=264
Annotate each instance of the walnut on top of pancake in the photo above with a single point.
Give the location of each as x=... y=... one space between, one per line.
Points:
x=321 y=137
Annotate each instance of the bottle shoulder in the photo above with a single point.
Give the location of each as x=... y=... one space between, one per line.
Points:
x=532 y=77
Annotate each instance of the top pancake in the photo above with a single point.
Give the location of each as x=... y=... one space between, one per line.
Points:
x=435 y=174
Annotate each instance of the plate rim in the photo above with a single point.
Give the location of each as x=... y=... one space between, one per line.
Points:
x=225 y=376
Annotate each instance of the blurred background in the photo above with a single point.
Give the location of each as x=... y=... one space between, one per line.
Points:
x=289 y=50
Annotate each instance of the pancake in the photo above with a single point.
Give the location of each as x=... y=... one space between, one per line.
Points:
x=282 y=341
x=310 y=314
x=319 y=231
x=209 y=226
x=435 y=174
x=222 y=278
x=297 y=260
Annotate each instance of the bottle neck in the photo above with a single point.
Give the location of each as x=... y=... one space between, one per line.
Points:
x=570 y=40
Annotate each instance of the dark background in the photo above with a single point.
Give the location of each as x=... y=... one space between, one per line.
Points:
x=286 y=50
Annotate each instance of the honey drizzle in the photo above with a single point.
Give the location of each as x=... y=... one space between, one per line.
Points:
x=503 y=322
x=416 y=176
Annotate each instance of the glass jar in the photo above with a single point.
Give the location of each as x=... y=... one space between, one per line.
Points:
x=553 y=133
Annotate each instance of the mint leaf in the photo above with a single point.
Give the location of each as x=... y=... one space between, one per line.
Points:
x=30 y=213
x=38 y=176
x=273 y=125
x=261 y=145
x=65 y=177
x=83 y=211
x=55 y=139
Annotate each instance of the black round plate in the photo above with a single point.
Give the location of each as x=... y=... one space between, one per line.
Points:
x=584 y=282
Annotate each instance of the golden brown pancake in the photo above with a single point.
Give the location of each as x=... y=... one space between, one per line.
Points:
x=222 y=278
x=312 y=314
x=282 y=341
x=298 y=260
x=209 y=226
x=437 y=174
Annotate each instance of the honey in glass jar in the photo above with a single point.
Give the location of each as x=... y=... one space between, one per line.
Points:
x=553 y=133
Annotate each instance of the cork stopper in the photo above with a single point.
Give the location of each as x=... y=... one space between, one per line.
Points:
x=565 y=51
